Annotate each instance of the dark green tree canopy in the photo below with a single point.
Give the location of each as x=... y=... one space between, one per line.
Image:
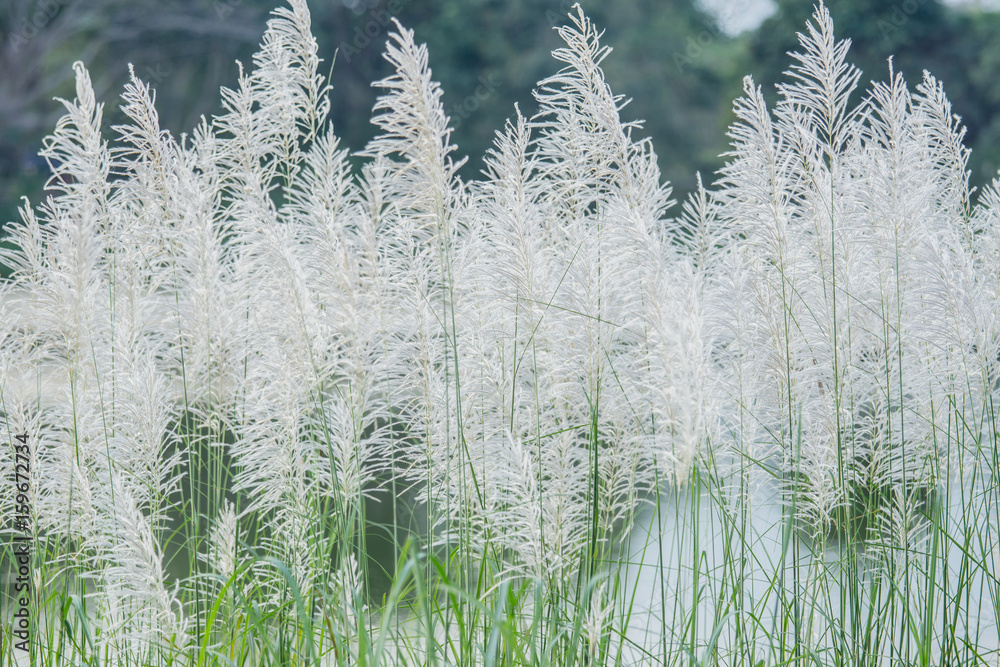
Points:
x=670 y=58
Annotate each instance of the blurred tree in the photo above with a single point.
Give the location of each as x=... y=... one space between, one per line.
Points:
x=182 y=48
x=960 y=48
x=980 y=44
x=680 y=70
x=669 y=57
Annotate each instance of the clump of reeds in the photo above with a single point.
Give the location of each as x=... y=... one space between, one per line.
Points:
x=226 y=348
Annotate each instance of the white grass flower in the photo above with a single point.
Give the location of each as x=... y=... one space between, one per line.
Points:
x=530 y=355
x=138 y=610
x=222 y=551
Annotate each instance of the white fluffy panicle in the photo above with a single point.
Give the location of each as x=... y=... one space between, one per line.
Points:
x=532 y=355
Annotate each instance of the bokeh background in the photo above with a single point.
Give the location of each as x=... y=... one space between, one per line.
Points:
x=680 y=61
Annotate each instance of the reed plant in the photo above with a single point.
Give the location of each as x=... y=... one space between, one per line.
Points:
x=589 y=427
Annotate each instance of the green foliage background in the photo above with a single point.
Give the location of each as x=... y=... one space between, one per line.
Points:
x=680 y=70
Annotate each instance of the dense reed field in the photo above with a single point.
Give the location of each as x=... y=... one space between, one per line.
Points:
x=263 y=408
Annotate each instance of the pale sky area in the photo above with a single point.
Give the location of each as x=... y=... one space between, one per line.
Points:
x=735 y=16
